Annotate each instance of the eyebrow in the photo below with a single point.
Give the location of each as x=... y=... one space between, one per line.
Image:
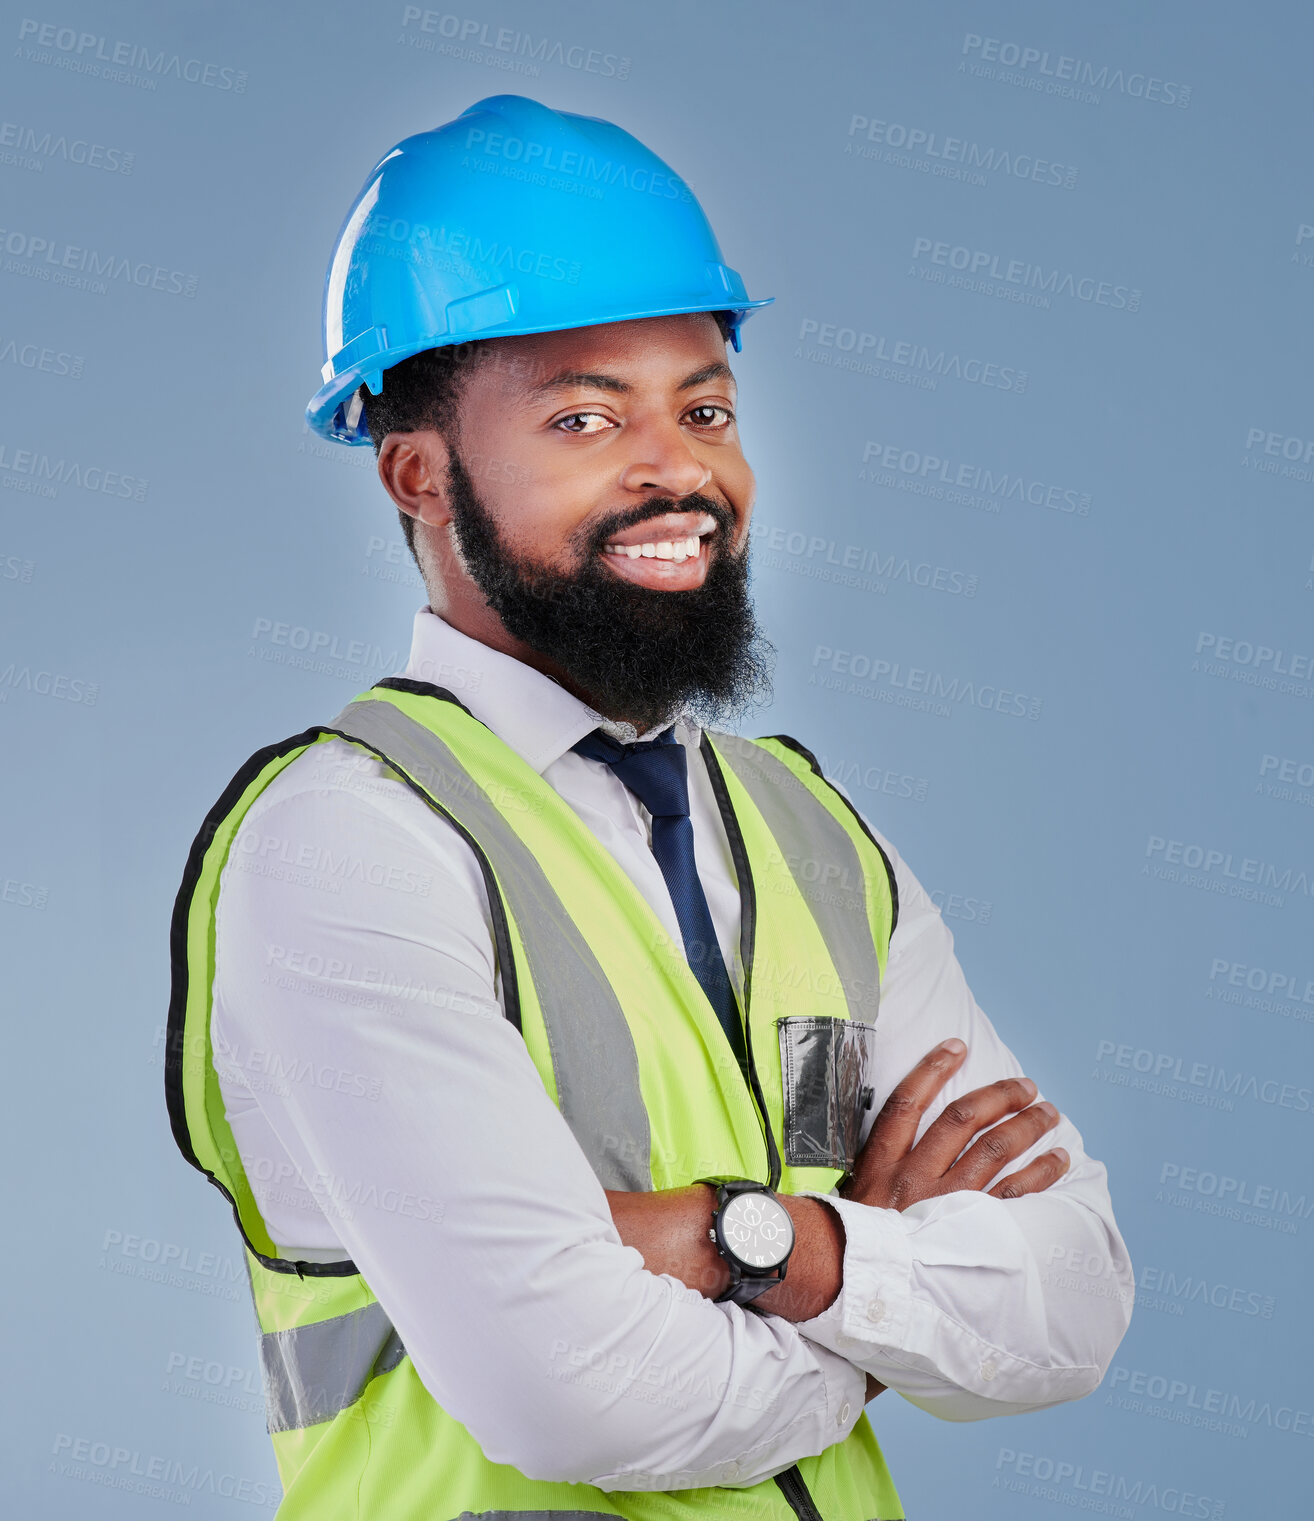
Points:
x=565 y=380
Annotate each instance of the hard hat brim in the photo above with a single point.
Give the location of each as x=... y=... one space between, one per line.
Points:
x=324 y=414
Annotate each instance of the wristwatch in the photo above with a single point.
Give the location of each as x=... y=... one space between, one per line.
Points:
x=753 y=1231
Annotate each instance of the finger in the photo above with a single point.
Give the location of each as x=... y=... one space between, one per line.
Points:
x=964 y=1117
x=896 y=1125
x=991 y=1152
x=1034 y=1177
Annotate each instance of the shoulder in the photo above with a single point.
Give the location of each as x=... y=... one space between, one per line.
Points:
x=335 y=785
x=338 y=820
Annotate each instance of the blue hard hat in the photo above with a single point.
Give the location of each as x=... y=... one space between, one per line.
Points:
x=513 y=218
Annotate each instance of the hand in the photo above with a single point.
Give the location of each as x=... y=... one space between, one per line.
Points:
x=892 y=1173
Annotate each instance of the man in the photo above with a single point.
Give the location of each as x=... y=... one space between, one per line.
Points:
x=478 y=986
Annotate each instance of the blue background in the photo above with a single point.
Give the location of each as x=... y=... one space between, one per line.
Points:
x=163 y=504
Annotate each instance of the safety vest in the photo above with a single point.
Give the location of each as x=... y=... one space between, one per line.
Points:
x=630 y=1050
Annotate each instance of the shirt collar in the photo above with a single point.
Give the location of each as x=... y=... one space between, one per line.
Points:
x=529 y=711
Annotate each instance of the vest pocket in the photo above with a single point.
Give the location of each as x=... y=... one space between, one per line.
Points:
x=826 y=1068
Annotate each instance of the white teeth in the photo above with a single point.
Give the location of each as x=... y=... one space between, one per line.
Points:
x=665 y=549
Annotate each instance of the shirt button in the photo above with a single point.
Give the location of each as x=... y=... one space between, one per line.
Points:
x=730 y=1471
x=842 y=1419
x=875 y=1311
x=989 y=1368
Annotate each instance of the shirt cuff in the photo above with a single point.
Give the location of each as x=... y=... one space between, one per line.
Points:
x=846 y=1392
x=817 y=1428
x=874 y=1306
x=846 y=1398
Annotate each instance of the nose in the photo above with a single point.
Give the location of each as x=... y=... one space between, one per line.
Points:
x=662 y=460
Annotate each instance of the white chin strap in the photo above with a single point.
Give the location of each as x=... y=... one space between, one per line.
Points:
x=351 y=415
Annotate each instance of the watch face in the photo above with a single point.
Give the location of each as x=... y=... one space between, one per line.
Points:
x=757 y=1229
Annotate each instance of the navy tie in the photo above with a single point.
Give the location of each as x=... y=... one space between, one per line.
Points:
x=656 y=772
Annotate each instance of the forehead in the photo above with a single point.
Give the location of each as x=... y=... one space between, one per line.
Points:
x=656 y=352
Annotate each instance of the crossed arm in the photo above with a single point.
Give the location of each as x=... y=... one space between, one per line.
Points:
x=966 y=1147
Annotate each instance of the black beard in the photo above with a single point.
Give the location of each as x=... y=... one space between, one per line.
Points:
x=632 y=652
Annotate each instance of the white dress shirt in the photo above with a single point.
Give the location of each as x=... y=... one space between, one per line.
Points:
x=387 y=1112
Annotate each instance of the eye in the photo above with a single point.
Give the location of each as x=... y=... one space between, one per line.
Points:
x=701 y=418
x=578 y=418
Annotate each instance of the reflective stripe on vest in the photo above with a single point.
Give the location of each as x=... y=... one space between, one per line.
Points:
x=593 y=1057
x=809 y=836
x=311 y=1372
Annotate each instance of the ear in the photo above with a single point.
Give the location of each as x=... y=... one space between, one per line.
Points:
x=413 y=469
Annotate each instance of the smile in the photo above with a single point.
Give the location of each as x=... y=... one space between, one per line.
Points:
x=671 y=557
x=665 y=552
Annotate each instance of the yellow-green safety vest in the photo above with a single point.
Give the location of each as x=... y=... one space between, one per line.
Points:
x=628 y=1047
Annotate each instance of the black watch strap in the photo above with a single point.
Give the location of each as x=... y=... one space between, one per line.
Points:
x=746 y=1282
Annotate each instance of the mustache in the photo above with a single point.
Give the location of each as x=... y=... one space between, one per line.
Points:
x=592 y=540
